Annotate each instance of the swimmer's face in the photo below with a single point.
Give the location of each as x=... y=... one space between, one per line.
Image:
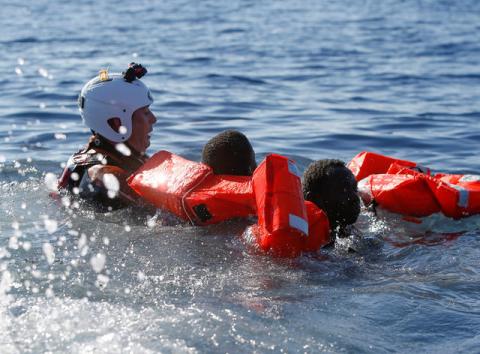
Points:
x=142 y=125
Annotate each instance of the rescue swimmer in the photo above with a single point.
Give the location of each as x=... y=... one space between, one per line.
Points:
x=116 y=109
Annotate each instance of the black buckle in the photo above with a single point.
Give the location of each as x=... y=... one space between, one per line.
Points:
x=202 y=212
x=134 y=71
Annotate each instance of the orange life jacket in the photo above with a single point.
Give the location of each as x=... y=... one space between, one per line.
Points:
x=458 y=195
x=368 y=163
x=287 y=225
x=318 y=228
x=406 y=194
x=397 y=187
x=191 y=191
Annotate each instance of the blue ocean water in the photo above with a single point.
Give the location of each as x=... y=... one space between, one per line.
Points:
x=310 y=80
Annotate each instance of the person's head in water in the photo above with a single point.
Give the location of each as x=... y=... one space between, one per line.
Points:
x=229 y=153
x=333 y=188
x=116 y=107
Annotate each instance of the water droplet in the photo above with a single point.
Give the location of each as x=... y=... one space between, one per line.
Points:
x=50 y=225
x=102 y=281
x=112 y=184
x=49 y=253
x=49 y=293
x=13 y=243
x=43 y=72
x=123 y=149
x=51 y=182
x=6 y=282
x=98 y=262
x=27 y=245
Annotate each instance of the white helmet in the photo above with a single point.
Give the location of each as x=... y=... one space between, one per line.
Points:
x=109 y=96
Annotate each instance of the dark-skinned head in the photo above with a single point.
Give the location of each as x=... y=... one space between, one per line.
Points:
x=229 y=153
x=333 y=188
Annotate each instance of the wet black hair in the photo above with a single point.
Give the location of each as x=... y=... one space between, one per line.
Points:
x=332 y=187
x=230 y=153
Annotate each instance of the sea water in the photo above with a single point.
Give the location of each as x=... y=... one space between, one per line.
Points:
x=307 y=79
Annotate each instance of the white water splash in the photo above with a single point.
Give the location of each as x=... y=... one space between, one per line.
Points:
x=49 y=253
x=98 y=262
x=141 y=276
x=82 y=241
x=51 y=182
x=123 y=149
x=43 y=72
x=112 y=184
x=50 y=225
x=27 y=245
x=102 y=281
x=13 y=243
x=6 y=282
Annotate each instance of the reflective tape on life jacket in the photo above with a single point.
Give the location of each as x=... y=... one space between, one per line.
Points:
x=282 y=216
x=368 y=163
x=458 y=195
x=191 y=191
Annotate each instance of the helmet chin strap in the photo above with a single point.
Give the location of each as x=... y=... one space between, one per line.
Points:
x=100 y=141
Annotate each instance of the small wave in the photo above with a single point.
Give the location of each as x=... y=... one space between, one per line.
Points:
x=23 y=40
x=181 y=104
x=232 y=30
x=240 y=78
x=200 y=60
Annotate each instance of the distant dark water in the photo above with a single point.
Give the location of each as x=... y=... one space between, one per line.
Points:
x=310 y=80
